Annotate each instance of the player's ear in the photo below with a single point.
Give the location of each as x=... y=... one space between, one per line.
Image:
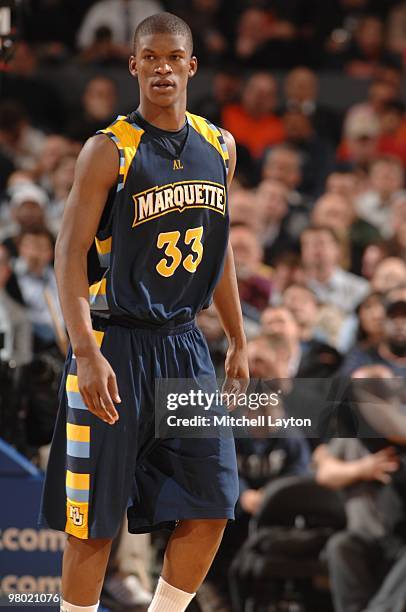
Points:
x=192 y=66
x=132 y=66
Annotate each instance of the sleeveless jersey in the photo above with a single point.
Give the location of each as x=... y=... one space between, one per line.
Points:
x=162 y=238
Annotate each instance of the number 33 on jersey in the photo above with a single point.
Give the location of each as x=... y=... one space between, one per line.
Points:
x=168 y=216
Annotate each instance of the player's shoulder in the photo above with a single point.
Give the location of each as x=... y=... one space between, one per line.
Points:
x=124 y=131
x=204 y=125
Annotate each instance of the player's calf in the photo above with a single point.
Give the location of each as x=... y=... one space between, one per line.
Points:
x=83 y=570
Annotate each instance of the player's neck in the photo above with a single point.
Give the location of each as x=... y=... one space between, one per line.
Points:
x=169 y=118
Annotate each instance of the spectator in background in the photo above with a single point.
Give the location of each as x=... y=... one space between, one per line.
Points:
x=44 y=106
x=314 y=360
x=36 y=279
x=103 y=51
x=371 y=317
x=267 y=38
x=254 y=122
x=120 y=16
x=244 y=211
x=287 y=269
x=393 y=130
x=99 y=102
x=205 y=20
x=317 y=154
x=301 y=92
x=254 y=278
x=366 y=562
x=391 y=350
x=373 y=255
x=389 y=273
x=321 y=254
x=344 y=184
x=225 y=90
x=272 y=203
x=380 y=93
x=15 y=328
x=303 y=304
x=27 y=212
x=283 y=163
x=20 y=142
x=61 y=181
x=337 y=212
x=365 y=52
x=361 y=142
x=54 y=147
x=396 y=31
x=398 y=223
x=386 y=177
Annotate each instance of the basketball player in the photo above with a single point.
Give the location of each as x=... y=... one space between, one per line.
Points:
x=151 y=190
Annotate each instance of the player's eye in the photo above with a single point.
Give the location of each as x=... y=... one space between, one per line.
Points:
x=176 y=57
x=149 y=57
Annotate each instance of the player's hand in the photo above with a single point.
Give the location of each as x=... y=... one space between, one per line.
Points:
x=379 y=466
x=98 y=386
x=237 y=373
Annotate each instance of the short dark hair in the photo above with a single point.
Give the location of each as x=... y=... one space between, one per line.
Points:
x=321 y=229
x=164 y=23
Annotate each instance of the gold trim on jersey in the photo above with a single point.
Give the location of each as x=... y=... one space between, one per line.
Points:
x=211 y=133
x=127 y=138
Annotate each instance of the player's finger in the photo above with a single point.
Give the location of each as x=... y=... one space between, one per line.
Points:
x=231 y=391
x=107 y=404
x=113 y=389
x=99 y=410
x=87 y=398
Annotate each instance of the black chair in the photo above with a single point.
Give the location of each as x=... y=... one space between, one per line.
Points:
x=280 y=568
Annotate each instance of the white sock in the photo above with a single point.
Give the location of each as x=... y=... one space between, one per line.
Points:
x=168 y=598
x=67 y=607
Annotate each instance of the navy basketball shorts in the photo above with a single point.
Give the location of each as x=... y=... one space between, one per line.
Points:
x=97 y=471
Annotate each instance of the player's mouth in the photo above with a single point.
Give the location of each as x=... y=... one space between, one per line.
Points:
x=163 y=85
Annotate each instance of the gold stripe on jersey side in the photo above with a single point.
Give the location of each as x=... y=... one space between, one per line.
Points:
x=103 y=246
x=127 y=139
x=211 y=134
x=78 y=433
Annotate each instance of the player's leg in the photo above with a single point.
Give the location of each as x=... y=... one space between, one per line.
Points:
x=190 y=552
x=83 y=570
x=188 y=556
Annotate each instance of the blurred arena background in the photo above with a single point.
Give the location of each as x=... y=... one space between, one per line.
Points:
x=314 y=94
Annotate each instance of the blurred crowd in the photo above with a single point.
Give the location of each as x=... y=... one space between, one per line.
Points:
x=318 y=228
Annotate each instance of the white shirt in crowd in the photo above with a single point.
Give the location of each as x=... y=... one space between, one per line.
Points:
x=343 y=289
x=15 y=332
x=120 y=16
x=370 y=207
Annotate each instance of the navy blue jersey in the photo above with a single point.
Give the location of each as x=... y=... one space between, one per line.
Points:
x=163 y=238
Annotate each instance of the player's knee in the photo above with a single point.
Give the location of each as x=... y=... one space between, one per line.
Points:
x=206 y=528
x=92 y=544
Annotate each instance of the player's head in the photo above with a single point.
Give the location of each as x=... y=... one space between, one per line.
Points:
x=163 y=58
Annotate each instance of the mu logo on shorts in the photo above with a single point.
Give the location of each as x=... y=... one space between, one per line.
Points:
x=76 y=516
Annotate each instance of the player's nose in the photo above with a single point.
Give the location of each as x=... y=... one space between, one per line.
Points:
x=163 y=68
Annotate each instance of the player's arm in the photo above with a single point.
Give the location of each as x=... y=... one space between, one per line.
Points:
x=95 y=173
x=227 y=300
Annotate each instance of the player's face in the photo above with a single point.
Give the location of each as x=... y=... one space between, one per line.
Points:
x=163 y=65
